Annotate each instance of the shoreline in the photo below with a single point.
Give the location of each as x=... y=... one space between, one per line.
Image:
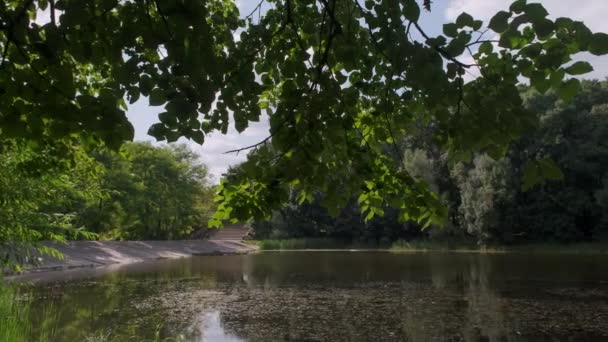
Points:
x=98 y=254
x=422 y=246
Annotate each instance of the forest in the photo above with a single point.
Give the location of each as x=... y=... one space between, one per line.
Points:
x=487 y=199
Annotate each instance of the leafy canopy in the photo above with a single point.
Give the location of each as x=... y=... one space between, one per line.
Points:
x=340 y=80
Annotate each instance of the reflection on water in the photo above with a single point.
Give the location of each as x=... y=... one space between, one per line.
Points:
x=335 y=296
x=210 y=328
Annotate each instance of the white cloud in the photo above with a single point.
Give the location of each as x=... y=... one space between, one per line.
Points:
x=213 y=151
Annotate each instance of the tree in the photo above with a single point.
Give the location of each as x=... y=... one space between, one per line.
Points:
x=338 y=79
x=40 y=205
x=153 y=193
x=141 y=192
x=490 y=201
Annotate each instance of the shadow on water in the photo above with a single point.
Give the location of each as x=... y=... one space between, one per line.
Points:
x=333 y=296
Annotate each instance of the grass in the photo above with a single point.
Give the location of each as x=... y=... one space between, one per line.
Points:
x=16 y=324
x=312 y=243
x=14 y=315
x=545 y=247
x=432 y=246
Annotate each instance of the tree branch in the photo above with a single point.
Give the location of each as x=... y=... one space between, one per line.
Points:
x=5 y=52
x=164 y=19
x=52 y=9
x=441 y=51
x=238 y=150
x=482 y=41
x=29 y=61
x=256 y=8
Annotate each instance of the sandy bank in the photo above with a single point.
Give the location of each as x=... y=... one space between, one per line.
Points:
x=78 y=254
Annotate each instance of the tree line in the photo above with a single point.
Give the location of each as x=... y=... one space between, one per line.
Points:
x=64 y=191
x=487 y=199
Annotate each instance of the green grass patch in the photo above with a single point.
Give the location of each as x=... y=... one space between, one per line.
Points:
x=431 y=246
x=545 y=247
x=314 y=243
x=14 y=315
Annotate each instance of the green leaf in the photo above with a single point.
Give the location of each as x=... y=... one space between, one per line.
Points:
x=477 y=24
x=157 y=97
x=557 y=77
x=157 y=130
x=579 y=68
x=549 y=170
x=518 y=6
x=411 y=10
x=543 y=27
x=540 y=82
x=486 y=47
x=198 y=137
x=536 y=11
x=531 y=176
x=569 y=89
x=465 y=19
x=167 y=118
x=583 y=35
x=179 y=106
x=500 y=22
x=450 y=30
x=599 y=44
x=511 y=39
x=532 y=50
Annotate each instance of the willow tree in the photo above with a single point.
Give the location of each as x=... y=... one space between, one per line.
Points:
x=340 y=81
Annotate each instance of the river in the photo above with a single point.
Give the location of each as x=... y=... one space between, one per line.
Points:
x=330 y=296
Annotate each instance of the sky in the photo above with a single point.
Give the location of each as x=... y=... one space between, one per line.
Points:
x=592 y=12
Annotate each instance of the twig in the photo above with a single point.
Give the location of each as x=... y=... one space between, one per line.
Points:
x=164 y=19
x=476 y=62
x=441 y=51
x=52 y=8
x=294 y=27
x=335 y=29
x=482 y=41
x=256 y=8
x=250 y=146
x=332 y=14
x=5 y=52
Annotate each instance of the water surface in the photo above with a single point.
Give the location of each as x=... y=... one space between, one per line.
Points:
x=333 y=296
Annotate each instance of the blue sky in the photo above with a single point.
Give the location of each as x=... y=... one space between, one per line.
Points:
x=592 y=12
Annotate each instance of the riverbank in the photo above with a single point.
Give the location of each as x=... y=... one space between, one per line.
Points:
x=430 y=246
x=80 y=254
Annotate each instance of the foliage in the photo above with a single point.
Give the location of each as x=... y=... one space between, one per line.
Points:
x=141 y=192
x=41 y=197
x=487 y=202
x=338 y=79
x=154 y=193
x=484 y=188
